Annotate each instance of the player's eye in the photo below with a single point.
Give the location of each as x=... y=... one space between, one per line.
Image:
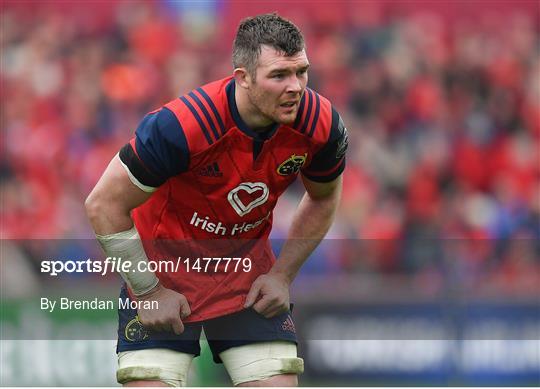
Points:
x=302 y=72
x=278 y=76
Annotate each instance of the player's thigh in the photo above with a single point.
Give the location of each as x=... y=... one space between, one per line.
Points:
x=146 y=357
x=255 y=348
x=272 y=363
x=153 y=367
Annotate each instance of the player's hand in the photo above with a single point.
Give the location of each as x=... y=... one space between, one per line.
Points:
x=269 y=295
x=172 y=309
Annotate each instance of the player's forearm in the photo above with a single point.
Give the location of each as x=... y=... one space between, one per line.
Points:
x=108 y=208
x=106 y=218
x=310 y=224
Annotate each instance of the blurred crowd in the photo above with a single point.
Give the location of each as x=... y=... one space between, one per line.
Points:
x=443 y=113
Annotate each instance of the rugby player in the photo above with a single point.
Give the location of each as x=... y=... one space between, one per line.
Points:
x=210 y=166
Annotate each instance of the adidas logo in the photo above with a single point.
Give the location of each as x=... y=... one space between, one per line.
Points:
x=211 y=170
x=288 y=325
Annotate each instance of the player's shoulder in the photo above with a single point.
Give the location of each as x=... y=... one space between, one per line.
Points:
x=201 y=114
x=316 y=116
x=159 y=124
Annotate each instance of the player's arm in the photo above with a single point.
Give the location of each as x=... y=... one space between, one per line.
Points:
x=312 y=220
x=110 y=203
x=269 y=294
x=310 y=224
x=130 y=179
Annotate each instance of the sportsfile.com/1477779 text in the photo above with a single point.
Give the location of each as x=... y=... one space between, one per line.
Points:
x=118 y=265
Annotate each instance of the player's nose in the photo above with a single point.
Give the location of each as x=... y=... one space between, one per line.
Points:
x=294 y=85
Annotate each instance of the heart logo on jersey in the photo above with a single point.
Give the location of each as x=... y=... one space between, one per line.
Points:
x=249 y=188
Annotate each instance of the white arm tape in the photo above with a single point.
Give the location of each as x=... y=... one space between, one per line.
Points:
x=127 y=246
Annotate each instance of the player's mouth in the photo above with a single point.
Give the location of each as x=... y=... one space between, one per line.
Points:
x=289 y=106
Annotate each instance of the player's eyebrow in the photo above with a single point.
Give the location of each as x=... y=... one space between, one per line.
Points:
x=288 y=70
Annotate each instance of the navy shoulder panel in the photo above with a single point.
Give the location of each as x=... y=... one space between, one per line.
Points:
x=161 y=145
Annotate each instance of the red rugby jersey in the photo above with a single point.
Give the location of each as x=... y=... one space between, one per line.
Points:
x=216 y=184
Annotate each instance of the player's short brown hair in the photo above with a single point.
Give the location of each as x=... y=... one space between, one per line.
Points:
x=267 y=29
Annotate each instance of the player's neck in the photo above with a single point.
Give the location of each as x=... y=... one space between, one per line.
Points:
x=249 y=113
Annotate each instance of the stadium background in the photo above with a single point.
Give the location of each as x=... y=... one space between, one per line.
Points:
x=436 y=244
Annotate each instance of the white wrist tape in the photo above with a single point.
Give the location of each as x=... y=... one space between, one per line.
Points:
x=127 y=246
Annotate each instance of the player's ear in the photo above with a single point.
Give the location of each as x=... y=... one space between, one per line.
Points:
x=242 y=77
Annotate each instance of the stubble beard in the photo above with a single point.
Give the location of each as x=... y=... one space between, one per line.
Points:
x=257 y=101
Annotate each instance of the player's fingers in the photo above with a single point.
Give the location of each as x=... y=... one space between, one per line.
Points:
x=177 y=326
x=277 y=311
x=263 y=306
x=275 y=307
x=185 y=311
x=146 y=321
x=252 y=295
x=155 y=327
x=271 y=311
x=270 y=314
x=157 y=324
x=162 y=325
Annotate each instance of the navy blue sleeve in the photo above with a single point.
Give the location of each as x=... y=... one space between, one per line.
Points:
x=329 y=162
x=159 y=150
